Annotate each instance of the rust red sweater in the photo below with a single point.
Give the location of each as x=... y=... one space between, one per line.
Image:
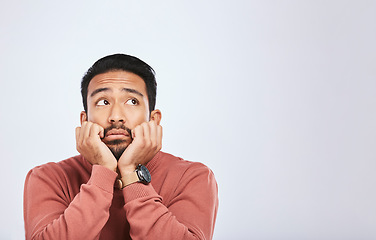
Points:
x=72 y=200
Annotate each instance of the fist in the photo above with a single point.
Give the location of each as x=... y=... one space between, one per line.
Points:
x=91 y=147
x=147 y=142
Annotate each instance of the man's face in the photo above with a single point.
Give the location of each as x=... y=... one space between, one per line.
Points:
x=118 y=102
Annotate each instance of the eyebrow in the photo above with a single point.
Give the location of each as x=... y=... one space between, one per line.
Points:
x=129 y=90
x=96 y=91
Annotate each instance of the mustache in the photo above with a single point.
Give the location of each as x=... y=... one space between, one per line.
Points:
x=118 y=126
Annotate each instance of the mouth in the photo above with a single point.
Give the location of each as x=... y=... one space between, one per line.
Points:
x=116 y=134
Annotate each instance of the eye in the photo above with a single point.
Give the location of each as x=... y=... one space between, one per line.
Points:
x=132 y=101
x=102 y=102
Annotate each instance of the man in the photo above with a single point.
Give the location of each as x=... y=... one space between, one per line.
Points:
x=121 y=186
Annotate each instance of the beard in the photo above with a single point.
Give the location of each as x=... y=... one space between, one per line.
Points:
x=117 y=150
x=118 y=146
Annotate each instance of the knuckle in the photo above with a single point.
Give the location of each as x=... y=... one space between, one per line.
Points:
x=84 y=143
x=148 y=143
x=155 y=147
x=142 y=143
x=89 y=142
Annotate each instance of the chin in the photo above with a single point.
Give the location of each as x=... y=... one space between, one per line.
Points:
x=117 y=149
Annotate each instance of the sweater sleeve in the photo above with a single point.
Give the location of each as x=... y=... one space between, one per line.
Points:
x=190 y=214
x=50 y=214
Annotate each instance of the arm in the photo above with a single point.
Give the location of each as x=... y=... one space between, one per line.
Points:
x=48 y=212
x=190 y=214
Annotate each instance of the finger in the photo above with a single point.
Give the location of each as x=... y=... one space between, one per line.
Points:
x=146 y=131
x=159 y=136
x=81 y=133
x=153 y=132
x=138 y=133
x=78 y=129
x=101 y=132
x=96 y=131
x=86 y=130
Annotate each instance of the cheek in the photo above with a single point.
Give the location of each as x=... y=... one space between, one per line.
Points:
x=137 y=117
x=97 y=117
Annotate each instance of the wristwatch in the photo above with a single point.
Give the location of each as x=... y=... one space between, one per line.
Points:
x=141 y=174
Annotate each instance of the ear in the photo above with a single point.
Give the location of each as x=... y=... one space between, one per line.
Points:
x=83 y=117
x=156 y=115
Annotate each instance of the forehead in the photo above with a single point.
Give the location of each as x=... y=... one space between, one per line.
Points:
x=117 y=80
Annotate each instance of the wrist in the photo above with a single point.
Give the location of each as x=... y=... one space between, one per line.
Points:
x=128 y=169
x=112 y=168
x=131 y=175
x=127 y=179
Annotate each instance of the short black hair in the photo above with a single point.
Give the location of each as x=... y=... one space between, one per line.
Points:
x=125 y=63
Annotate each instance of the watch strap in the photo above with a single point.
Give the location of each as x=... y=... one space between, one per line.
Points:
x=127 y=180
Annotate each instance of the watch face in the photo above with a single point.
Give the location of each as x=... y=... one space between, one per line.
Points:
x=144 y=174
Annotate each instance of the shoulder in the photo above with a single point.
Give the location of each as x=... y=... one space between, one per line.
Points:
x=185 y=168
x=170 y=160
x=183 y=178
x=58 y=170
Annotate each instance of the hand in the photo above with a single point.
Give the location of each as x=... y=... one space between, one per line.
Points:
x=91 y=147
x=147 y=141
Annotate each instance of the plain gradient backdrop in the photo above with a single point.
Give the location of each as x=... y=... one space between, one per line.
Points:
x=276 y=97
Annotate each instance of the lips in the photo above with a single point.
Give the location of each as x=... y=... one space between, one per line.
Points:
x=116 y=134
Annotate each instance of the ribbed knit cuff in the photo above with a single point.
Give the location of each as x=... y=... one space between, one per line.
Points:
x=138 y=190
x=103 y=178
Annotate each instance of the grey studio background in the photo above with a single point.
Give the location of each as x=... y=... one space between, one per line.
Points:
x=276 y=97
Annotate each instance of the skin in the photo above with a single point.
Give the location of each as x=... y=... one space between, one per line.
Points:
x=118 y=98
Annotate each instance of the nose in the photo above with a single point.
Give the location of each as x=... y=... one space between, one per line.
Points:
x=117 y=114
